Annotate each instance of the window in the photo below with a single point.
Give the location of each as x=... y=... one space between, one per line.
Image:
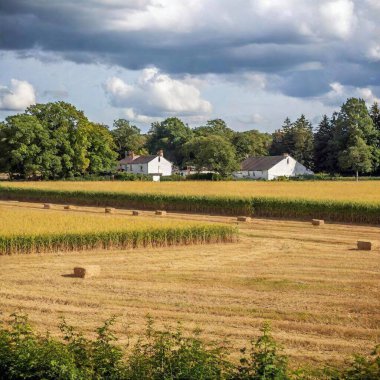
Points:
x=141 y=168
x=130 y=167
x=287 y=160
x=159 y=158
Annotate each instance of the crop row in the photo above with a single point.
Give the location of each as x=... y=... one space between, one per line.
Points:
x=336 y=211
x=156 y=237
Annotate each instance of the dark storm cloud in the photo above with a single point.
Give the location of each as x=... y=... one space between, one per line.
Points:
x=207 y=36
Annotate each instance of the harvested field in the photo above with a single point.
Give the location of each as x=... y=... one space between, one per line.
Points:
x=320 y=294
x=362 y=191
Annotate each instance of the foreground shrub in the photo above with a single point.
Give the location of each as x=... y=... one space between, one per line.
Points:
x=364 y=368
x=264 y=361
x=171 y=355
x=156 y=355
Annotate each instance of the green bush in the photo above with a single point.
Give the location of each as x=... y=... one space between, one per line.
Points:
x=156 y=355
x=364 y=368
x=264 y=361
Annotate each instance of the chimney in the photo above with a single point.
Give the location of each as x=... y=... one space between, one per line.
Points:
x=160 y=153
x=131 y=154
x=285 y=154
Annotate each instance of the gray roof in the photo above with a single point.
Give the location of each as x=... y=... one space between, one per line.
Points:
x=260 y=163
x=127 y=160
x=143 y=159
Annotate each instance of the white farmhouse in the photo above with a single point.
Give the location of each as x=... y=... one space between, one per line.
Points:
x=271 y=167
x=156 y=166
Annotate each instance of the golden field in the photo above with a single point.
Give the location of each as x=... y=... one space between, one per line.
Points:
x=362 y=191
x=32 y=219
x=320 y=294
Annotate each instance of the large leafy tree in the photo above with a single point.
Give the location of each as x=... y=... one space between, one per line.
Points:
x=66 y=126
x=55 y=140
x=251 y=143
x=355 y=137
x=357 y=157
x=127 y=138
x=25 y=148
x=215 y=127
x=213 y=153
x=169 y=135
x=101 y=150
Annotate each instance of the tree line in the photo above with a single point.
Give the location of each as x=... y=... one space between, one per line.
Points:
x=55 y=140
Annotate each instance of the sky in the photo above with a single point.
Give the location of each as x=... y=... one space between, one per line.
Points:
x=250 y=62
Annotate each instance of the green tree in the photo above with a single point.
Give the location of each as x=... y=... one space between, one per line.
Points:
x=355 y=137
x=323 y=148
x=169 y=135
x=279 y=139
x=301 y=144
x=251 y=143
x=25 y=148
x=375 y=116
x=357 y=157
x=63 y=121
x=54 y=140
x=128 y=138
x=101 y=149
x=297 y=139
x=215 y=127
x=212 y=153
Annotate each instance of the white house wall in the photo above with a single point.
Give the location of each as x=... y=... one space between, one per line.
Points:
x=138 y=168
x=160 y=165
x=257 y=174
x=288 y=167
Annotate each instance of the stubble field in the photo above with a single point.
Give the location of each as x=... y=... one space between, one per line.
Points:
x=321 y=295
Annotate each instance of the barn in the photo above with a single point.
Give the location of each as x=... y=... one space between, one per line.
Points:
x=271 y=167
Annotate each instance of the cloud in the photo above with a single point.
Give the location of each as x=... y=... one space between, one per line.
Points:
x=299 y=47
x=18 y=96
x=254 y=118
x=156 y=94
x=339 y=93
x=338 y=17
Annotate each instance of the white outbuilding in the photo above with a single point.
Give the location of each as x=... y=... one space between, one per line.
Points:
x=271 y=167
x=156 y=166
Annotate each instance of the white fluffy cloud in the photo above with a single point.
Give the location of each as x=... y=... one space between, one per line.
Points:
x=338 y=17
x=156 y=94
x=339 y=93
x=19 y=95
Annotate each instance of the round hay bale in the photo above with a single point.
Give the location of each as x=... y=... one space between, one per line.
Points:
x=87 y=271
x=47 y=205
x=317 y=222
x=160 y=212
x=109 y=210
x=68 y=207
x=135 y=213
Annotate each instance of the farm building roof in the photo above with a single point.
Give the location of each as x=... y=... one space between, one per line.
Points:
x=260 y=163
x=143 y=159
x=128 y=160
